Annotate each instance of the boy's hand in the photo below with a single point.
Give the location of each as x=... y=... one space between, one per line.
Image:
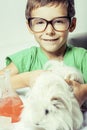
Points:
x=80 y=91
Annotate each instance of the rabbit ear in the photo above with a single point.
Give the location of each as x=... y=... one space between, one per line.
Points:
x=55 y=102
x=54 y=98
x=58 y=102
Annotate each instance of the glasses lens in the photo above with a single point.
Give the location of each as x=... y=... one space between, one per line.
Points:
x=61 y=24
x=37 y=24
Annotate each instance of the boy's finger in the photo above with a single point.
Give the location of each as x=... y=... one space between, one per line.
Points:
x=69 y=82
x=73 y=84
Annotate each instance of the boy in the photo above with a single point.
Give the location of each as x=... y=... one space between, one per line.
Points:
x=50 y=21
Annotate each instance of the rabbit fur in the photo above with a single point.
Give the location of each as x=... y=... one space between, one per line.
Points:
x=50 y=104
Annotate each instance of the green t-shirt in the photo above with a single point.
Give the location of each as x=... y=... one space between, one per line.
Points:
x=34 y=59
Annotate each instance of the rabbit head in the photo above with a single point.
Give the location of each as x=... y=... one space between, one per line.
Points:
x=51 y=105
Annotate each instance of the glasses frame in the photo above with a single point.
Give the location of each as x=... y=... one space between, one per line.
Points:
x=49 y=22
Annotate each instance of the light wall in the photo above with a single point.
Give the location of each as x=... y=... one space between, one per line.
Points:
x=12 y=22
x=13 y=29
x=81 y=14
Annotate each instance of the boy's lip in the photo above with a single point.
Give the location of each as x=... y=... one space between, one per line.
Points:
x=51 y=39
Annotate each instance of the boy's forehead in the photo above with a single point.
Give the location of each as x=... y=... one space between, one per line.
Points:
x=49 y=12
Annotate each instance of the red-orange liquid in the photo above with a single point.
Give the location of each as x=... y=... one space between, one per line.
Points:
x=11 y=107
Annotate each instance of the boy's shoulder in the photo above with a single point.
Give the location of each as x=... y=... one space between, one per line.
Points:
x=22 y=54
x=75 y=55
x=74 y=49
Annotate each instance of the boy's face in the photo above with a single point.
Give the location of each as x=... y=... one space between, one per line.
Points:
x=50 y=40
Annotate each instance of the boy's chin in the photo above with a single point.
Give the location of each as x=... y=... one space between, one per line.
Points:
x=50 y=49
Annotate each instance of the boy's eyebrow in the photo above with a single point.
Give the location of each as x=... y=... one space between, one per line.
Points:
x=49 y=20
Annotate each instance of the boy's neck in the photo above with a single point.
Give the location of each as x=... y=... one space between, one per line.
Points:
x=58 y=54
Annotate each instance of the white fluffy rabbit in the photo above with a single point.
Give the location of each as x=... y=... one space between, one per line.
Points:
x=51 y=105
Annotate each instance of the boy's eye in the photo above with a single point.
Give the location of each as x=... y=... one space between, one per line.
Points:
x=40 y=22
x=37 y=22
x=60 y=21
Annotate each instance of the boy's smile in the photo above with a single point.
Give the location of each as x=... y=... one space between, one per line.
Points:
x=50 y=40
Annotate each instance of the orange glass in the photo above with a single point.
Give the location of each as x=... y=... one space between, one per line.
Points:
x=11 y=107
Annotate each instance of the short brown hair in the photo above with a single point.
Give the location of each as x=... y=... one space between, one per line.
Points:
x=33 y=4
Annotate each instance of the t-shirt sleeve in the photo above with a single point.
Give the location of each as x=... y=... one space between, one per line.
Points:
x=81 y=62
x=84 y=64
x=22 y=59
x=77 y=57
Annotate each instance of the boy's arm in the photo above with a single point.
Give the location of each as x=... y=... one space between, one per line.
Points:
x=80 y=91
x=25 y=79
x=20 y=80
x=11 y=67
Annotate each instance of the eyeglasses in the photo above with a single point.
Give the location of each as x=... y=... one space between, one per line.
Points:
x=60 y=24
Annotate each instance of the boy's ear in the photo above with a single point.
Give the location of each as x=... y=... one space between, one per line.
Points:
x=28 y=27
x=72 y=25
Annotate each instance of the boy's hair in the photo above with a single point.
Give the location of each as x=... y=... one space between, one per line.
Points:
x=34 y=4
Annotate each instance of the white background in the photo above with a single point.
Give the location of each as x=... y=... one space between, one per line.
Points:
x=14 y=34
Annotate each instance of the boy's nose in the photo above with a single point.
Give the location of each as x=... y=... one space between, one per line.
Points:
x=50 y=29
